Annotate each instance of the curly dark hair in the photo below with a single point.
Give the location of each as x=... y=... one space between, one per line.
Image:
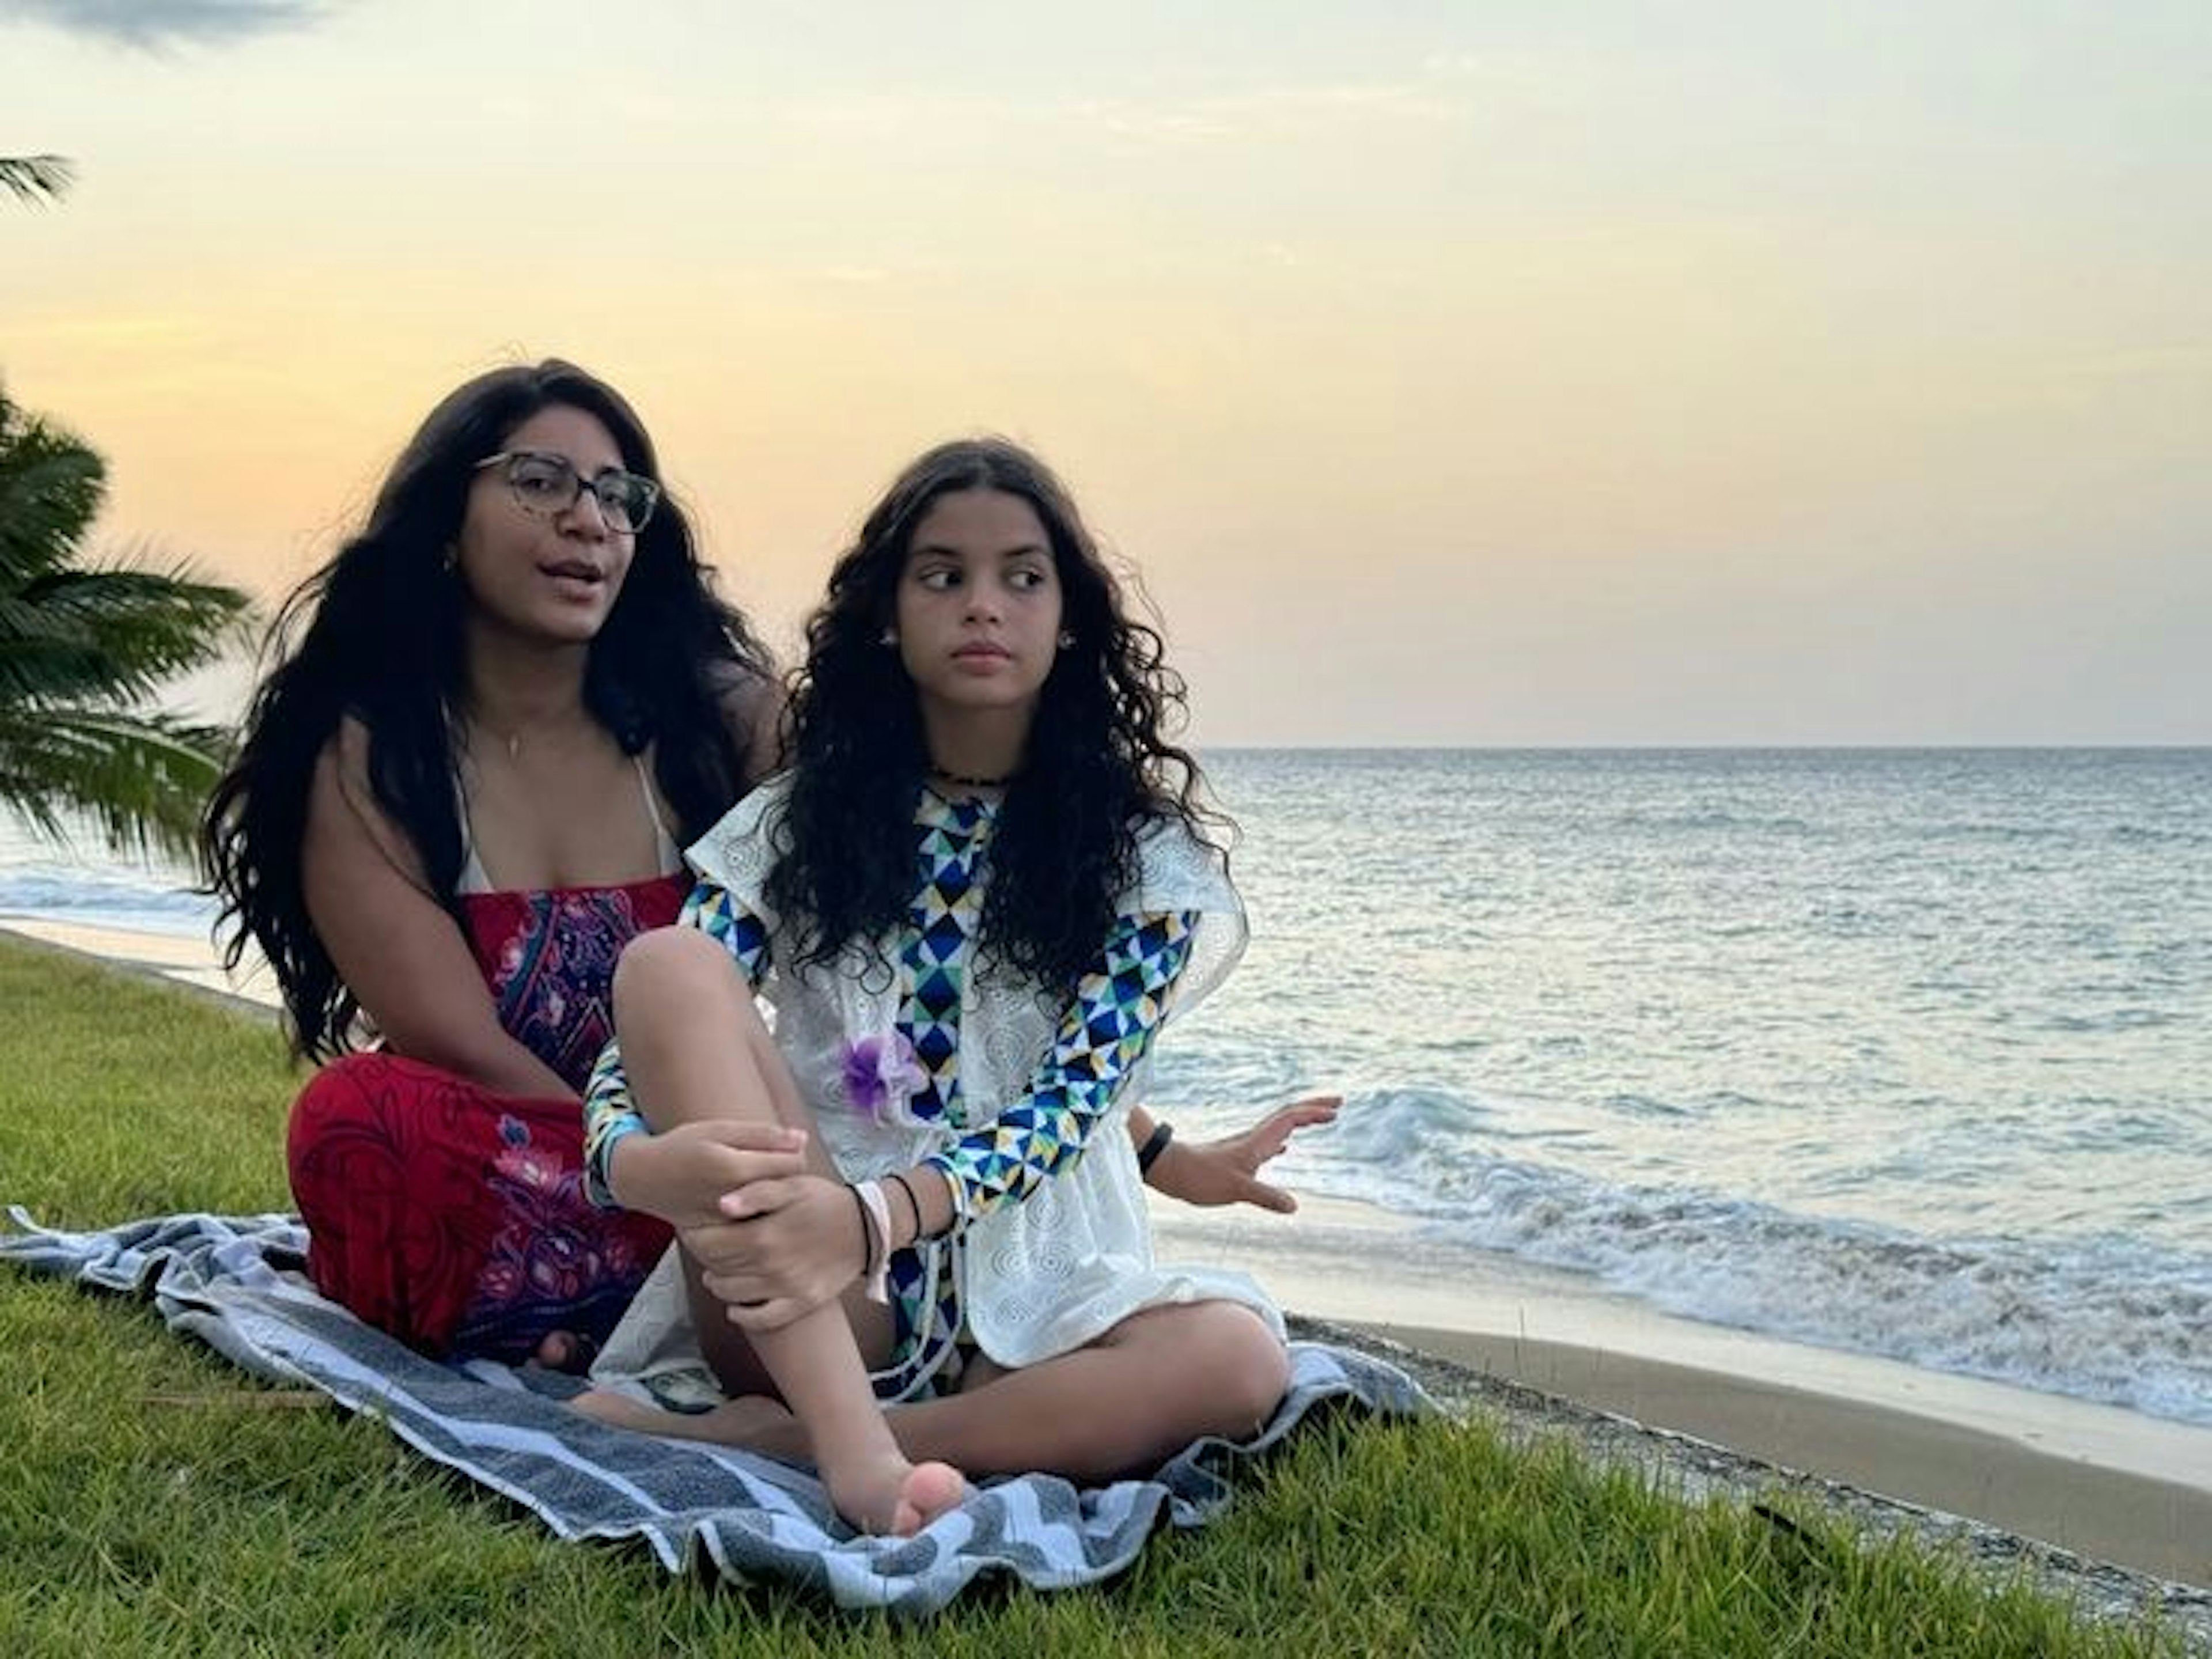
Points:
x=1099 y=768
x=378 y=634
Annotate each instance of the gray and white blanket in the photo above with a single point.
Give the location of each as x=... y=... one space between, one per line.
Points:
x=234 y=1283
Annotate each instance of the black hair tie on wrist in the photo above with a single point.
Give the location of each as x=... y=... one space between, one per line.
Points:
x=1155 y=1144
x=912 y=1203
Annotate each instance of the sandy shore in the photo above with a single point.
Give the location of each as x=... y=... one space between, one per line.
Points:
x=188 y=962
x=2112 y=1485
x=2131 y=1518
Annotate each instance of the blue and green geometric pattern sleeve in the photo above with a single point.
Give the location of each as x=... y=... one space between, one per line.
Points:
x=712 y=910
x=608 y=1112
x=1118 y=1008
x=609 y=1116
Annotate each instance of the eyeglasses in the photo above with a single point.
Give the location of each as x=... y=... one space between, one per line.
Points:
x=547 y=485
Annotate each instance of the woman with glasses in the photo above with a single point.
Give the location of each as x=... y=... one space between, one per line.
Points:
x=494 y=718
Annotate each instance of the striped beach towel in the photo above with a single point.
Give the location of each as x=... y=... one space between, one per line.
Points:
x=235 y=1282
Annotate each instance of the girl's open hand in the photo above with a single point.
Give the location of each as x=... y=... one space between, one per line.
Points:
x=1227 y=1171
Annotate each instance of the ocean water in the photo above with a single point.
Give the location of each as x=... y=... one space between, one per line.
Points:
x=1902 y=1051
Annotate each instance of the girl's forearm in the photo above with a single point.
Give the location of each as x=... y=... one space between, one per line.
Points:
x=921 y=1204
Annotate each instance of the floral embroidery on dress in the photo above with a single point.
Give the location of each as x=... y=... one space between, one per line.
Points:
x=552 y=1248
x=521 y=1163
x=882 y=1073
x=549 y=957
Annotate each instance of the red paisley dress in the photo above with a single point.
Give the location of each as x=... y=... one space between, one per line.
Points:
x=453 y=1217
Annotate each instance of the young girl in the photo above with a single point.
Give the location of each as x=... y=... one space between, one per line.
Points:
x=972 y=903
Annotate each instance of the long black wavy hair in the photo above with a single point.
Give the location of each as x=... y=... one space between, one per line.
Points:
x=378 y=634
x=1100 y=764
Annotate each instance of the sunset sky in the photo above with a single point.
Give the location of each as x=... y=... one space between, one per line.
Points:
x=1454 y=373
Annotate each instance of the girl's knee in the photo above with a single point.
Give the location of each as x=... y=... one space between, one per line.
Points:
x=662 y=952
x=666 y=964
x=1246 y=1367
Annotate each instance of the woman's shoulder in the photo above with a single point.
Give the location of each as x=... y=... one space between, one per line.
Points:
x=764 y=799
x=342 y=763
x=342 y=798
x=751 y=701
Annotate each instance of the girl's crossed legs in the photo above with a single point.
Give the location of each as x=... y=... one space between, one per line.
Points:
x=697 y=1053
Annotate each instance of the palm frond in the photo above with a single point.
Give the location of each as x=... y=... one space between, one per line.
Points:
x=112 y=633
x=83 y=646
x=51 y=484
x=37 y=179
x=141 y=779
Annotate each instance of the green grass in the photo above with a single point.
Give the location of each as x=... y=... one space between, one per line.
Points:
x=232 y=1525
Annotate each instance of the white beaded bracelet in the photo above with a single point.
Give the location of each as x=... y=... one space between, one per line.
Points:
x=877 y=1273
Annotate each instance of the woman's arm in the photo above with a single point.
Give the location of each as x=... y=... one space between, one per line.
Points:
x=396 y=948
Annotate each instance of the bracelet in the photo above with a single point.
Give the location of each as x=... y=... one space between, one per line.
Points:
x=876 y=1225
x=867 y=1241
x=912 y=1202
x=599 y=1162
x=1155 y=1144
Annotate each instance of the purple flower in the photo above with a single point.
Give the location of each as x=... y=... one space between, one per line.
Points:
x=882 y=1073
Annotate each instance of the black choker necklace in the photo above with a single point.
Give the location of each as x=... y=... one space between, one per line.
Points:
x=966 y=783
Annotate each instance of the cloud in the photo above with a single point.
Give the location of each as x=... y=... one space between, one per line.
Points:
x=155 y=24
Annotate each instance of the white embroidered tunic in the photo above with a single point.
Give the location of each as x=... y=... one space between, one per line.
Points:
x=919 y=1053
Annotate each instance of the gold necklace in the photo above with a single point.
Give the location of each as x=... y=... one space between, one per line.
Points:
x=509 y=741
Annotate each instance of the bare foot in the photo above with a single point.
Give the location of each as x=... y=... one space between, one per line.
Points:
x=893 y=1498
x=563 y=1351
x=930 y=1490
x=884 y=1495
x=751 y=1422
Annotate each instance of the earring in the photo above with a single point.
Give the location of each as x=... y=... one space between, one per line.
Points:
x=890 y=637
x=451 y=560
x=1067 y=639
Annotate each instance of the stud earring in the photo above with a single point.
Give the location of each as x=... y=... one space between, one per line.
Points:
x=1066 y=640
x=451 y=560
x=890 y=637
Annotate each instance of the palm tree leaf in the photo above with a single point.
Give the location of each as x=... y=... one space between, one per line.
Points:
x=36 y=178
x=141 y=779
x=113 y=632
x=51 y=486
x=82 y=646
